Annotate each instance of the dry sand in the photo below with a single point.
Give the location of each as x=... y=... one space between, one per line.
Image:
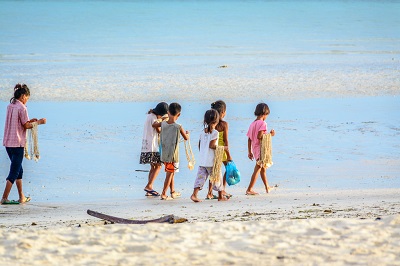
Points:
x=284 y=227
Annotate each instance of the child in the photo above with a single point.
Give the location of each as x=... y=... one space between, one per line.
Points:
x=255 y=133
x=222 y=128
x=207 y=145
x=150 y=146
x=17 y=122
x=170 y=131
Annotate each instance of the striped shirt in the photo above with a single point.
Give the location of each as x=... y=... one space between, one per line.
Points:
x=14 y=131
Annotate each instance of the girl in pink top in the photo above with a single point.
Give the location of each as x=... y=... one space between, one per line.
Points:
x=17 y=122
x=255 y=133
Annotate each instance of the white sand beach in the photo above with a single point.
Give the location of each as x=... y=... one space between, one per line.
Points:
x=285 y=228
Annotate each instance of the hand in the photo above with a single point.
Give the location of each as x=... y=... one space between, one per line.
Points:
x=272 y=132
x=42 y=121
x=250 y=155
x=226 y=148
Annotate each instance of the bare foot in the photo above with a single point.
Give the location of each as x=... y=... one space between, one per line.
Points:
x=26 y=199
x=251 y=193
x=268 y=189
x=223 y=199
x=175 y=194
x=194 y=198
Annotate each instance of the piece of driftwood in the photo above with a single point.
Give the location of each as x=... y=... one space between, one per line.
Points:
x=165 y=219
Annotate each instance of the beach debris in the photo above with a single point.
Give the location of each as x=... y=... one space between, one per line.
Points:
x=140 y=170
x=223 y=66
x=33 y=223
x=165 y=219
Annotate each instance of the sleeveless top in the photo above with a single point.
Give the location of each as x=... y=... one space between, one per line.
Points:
x=170 y=142
x=222 y=143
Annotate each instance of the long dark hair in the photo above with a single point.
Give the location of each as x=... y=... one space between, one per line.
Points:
x=19 y=90
x=210 y=117
x=220 y=106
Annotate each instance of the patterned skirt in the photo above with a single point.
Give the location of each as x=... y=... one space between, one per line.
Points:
x=150 y=157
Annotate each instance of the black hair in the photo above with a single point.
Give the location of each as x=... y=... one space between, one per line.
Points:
x=161 y=109
x=19 y=90
x=220 y=106
x=210 y=117
x=261 y=109
x=174 y=108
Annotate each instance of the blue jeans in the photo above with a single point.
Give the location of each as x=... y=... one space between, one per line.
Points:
x=16 y=155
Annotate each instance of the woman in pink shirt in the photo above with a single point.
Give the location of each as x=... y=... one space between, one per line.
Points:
x=17 y=122
x=255 y=133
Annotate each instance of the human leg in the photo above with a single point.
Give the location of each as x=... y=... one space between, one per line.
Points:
x=194 y=195
x=253 y=180
x=201 y=178
x=22 y=198
x=210 y=194
x=7 y=190
x=263 y=173
x=167 y=183
x=154 y=170
x=16 y=156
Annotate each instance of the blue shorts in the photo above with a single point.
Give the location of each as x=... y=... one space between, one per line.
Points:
x=16 y=155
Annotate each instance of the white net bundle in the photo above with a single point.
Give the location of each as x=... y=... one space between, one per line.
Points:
x=31 y=149
x=189 y=155
x=216 y=175
x=265 y=160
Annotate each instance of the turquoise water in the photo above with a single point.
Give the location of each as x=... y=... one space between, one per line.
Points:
x=141 y=50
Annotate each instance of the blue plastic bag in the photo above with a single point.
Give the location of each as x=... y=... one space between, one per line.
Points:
x=232 y=173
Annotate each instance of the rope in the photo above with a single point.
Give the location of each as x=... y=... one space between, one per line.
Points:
x=189 y=155
x=216 y=175
x=31 y=148
x=266 y=151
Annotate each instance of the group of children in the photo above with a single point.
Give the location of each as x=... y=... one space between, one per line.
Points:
x=160 y=145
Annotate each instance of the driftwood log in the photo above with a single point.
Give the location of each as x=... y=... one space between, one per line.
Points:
x=165 y=219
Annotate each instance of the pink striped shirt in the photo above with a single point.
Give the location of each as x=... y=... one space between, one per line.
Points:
x=14 y=131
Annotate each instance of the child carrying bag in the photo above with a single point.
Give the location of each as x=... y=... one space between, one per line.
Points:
x=232 y=174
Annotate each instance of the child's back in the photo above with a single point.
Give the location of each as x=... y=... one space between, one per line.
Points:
x=169 y=142
x=206 y=155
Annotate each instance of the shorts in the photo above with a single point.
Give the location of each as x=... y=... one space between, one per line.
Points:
x=171 y=167
x=150 y=158
x=202 y=174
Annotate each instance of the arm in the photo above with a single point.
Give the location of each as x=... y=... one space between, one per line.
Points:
x=250 y=154
x=185 y=134
x=28 y=125
x=225 y=136
x=213 y=144
x=157 y=126
x=260 y=134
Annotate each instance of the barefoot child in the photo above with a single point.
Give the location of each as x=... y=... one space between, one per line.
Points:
x=222 y=128
x=207 y=145
x=17 y=122
x=255 y=134
x=150 y=153
x=170 y=131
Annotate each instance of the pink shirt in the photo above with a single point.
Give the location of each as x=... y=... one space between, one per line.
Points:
x=14 y=131
x=255 y=127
